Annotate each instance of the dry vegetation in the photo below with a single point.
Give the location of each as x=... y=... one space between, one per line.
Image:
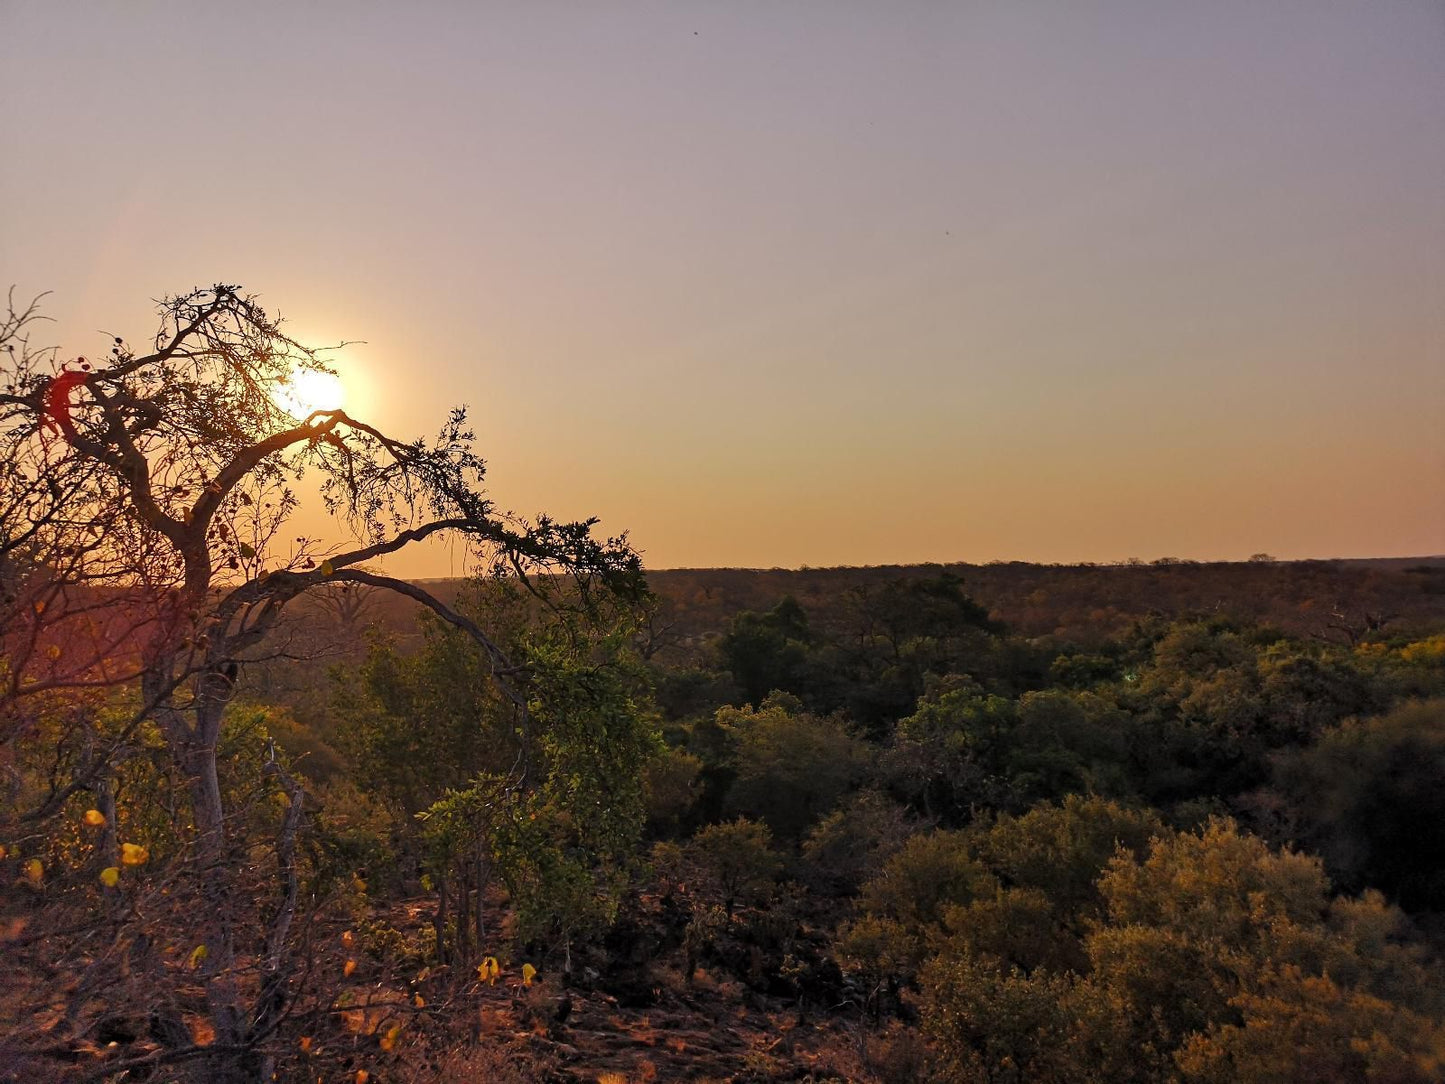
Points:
x=1136 y=823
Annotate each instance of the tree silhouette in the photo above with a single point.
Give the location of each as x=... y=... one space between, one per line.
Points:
x=183 y=458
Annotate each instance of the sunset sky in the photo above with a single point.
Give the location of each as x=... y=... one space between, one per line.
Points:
x=770 y=284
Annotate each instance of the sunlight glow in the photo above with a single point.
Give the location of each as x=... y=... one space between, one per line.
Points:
x=309 y=391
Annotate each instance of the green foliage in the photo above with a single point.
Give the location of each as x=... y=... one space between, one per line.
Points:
x=1209 y=954
x=1202 y=926
x=1218 y=885
x=738 y=859
x=311 y=754
x=904 y=632
x=904 y=612
x=356 y=830
x=879 y=951
x=671 y=788
x=1299 y=1029
x=932 y=872
x=417 y=725
x=1062 y=850
x=1084 y=670
x=964 y=749
x=850 y=845
x=595 y=731
x=1018 y=891
x=876 y=661
x=690 y=692
x=1060 y=746
x=949 y=755
x=791 y=768
x=1203 y=707
x=1015 y=928
x=1370 y=797
x=768 y=651
x=561 y=836
x=1000 y=1026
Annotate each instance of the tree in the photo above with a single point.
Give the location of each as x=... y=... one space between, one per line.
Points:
x=998 y=1026
x=183 y=454
x=738 y=859
x=768 y=651
x=671 y=783
x=1057 y=748
x=417 y=725
x=1061 y=850
x=932 y=872
x=950 y=755
x=792 y=768
x=850 y=845
x=348 y=605
x=1300 y=1028
x=572 y=820
x=904 y=632
x=71 y=622
x=1208 y=955
x=1215 y=924
x=1370 y=797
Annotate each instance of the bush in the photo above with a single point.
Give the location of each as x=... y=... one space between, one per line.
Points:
x=737 y=859
x=1370 y=797
x=792 y=768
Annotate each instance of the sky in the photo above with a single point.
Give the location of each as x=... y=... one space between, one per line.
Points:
x=804 y=283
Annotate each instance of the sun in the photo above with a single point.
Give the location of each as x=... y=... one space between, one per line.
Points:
x=308 y=391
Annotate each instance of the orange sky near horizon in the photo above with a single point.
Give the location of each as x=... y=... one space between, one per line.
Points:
x=818 y=283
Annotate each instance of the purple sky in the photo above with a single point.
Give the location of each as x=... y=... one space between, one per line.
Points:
x=773 y=284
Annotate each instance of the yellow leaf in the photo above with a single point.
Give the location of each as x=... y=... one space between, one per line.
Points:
x=528 y=973
x=348 y=939
x=362 y=1076
x=52 y=652
x=109 y=876
x=419 y=1001
x=94 y=817
x=388 y=1041
x=34 y=870
x=349 y=968
x=197 y=957
x=327 y=568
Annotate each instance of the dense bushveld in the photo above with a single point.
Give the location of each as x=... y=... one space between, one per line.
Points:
x=849 y=824
x=270 y=813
